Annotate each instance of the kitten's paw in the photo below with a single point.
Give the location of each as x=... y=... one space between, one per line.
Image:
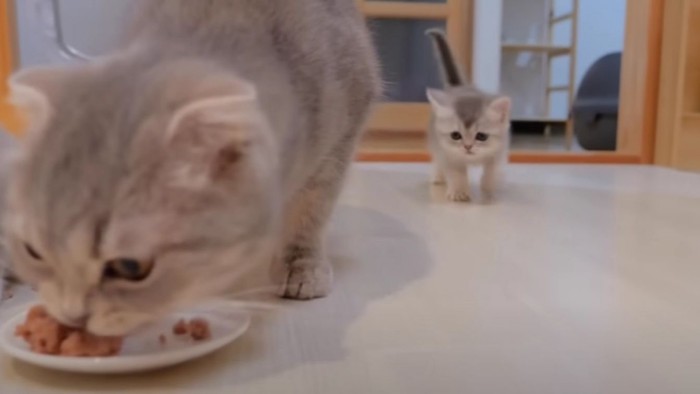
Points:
x=306 y=279
x=458 y=196
x=438 y=179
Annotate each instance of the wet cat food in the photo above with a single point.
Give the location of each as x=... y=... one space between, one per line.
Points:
x=197 y=329
x=180 y=328
x=45 y=335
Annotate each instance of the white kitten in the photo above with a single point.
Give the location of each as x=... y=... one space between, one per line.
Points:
x=469 y=128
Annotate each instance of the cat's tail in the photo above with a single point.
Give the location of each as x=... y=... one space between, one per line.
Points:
x=451 y=72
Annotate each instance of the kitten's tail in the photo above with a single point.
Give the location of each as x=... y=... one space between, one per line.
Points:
x=451 y=73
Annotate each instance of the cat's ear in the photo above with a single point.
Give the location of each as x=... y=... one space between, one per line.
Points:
x=501 y=107
x=440 y=102
x=210 y=135
x=31 y=92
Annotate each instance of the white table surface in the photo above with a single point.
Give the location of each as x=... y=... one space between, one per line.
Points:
x=579 y=280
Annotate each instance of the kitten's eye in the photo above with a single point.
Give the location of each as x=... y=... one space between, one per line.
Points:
x=483 y=137
x=31 y=252
x=128 y=269
x=456 y=135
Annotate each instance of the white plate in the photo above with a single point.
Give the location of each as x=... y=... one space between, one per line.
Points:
x=141 y=352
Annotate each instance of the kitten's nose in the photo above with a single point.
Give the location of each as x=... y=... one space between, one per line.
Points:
x=469 y=148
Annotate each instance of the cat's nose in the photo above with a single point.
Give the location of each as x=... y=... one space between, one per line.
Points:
x=468 y=148
x=74 y=320
x=73 y=313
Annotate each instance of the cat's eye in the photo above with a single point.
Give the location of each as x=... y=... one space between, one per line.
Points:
x=32 y=252
x=127 y=269
x=456 y=135
x=482 y=137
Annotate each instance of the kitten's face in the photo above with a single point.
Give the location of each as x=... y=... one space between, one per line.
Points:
x=472 y=127
x=140 y=191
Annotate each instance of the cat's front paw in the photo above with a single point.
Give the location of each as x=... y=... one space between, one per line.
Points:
x=458 y=195
x=306 y=279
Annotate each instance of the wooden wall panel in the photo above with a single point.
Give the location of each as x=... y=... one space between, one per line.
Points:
x=640 y=78
x=8 y=117
x=678 y=128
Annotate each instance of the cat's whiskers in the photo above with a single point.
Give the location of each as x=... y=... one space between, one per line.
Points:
x=262 y=290
x=226 y=305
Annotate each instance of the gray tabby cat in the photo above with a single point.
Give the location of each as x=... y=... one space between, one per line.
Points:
x=469 y=127
x=216 y=140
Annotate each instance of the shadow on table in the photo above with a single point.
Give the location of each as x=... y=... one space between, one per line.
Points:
x=374 y=256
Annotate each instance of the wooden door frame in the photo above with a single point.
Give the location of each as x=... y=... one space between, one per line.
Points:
x=641 y=72
x=679 y=111
x=8 y=117
x=639 y=93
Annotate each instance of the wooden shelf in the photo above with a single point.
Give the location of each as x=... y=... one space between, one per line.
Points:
x=402 y=10
x=561 y=18
x=559 y=88
x=400 y=117
x=393 y=141
x=531 y=87
x=552 y=50
x=539 y=120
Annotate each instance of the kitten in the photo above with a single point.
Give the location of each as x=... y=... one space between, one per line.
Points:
x=469 y=127
x=217 y=139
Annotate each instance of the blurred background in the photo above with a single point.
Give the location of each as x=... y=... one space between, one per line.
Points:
x=575 y=99
x=537 y=51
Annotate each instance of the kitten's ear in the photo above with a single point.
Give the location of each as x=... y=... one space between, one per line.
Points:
x=440 y=102
x=31 y=92
x=501 y=107
x=210 y=135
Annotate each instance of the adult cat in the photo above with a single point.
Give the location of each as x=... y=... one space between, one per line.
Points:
x=216 y=139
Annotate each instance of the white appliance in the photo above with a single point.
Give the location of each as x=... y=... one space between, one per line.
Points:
x=57 y=31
